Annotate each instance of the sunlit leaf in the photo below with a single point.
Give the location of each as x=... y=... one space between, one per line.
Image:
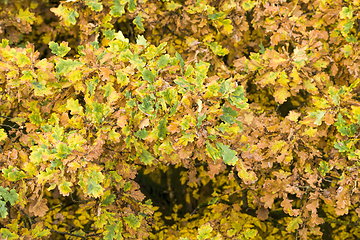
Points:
x=94 y=5
x=117 y=9
x=294 y=224
x=61 y=50
x=68 y=15
x=227 y=154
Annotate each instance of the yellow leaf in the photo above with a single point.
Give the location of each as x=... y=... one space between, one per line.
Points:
x=247 y=176
x=295 y=76
x=293 y=116
x=114 y=136
x=281 y=94
x=3 y=134
x=27 y=16
x=277 y=146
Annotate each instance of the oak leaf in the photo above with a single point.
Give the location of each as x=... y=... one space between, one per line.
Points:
x=262 y=213
x=39 y=207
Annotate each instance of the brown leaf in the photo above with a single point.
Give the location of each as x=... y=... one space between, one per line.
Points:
x=358 y=211
x=262 y=213
x=312 y=206
x=138 y=195
x=39 y=207
x=303 y=233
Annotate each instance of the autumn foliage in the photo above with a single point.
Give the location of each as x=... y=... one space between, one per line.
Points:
x=196 y=119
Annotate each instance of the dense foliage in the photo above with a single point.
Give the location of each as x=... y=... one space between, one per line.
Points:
x=196 y=119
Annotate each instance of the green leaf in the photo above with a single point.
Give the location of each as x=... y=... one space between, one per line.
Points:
x=142 y=133
x=201 y=73
x=138 y=22
x=323 y=168
x=57 y=133
x=262 y=49
x=36 y=153
x=343 y=128
x=114 y=136
x=294 y=224
x=65 y=188
x=94 y=188
x=4 y=43
x=6 y=234
x=181 y=60
x=68 y=15
x=35 y=118
x=66 y=66
x=204 y=232
x=342 y=146
x=117 y=9
x=218 y=49
x=162 y=128
x=186 y=122
x=228 y=155
x=163 y=61
x=347 y=26
x=3 y=209
x=109 y=34
x=171 y=6
x=94 y=5
x=335 y=95
x=346 y=12
x=250 y=233
x=200 y=119
x=133 y=221
x=74 y=107
x=146 y=157
x=120 y=36
x=12 y=174
x=22 y=60
x=216 y=15
x=229 y=115
x=319 y=116
x=108 y=89
x=61 y=50
x=62 y=150
x=9 y=196
x=132 y=5
x=141 y=41
x=146 y=106
x=113 y=231
x=109 y=199
x=26 y=15
x=122 y=78
x=347 y=49
x=148 y=75
x=248 y=5
x=212 y=152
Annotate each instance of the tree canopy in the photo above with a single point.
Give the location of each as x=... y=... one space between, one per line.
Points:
x=196 y=119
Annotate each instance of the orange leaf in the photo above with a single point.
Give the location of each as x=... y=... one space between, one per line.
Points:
x=122 y=121
x=173 y=127
x=144 y=123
